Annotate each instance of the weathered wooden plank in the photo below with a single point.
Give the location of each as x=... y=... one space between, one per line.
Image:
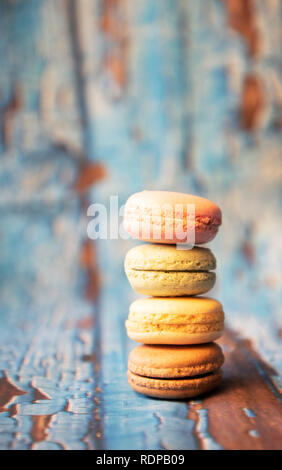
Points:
x=246 y=411
x=47 y=324
x=56 y=379
x=176 y=95
x=144 y=116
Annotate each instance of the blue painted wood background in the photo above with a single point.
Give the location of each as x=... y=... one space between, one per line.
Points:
x=109 y=97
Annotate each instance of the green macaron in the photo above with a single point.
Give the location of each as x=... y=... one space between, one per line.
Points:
x=164 y=271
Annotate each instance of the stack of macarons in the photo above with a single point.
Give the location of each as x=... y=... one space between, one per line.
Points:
x=177 y=358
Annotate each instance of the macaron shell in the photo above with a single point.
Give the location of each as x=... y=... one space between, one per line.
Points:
x=190 y=307
x=175 y=361
x=156 y=257
x=174 y=388
x=166 y=217
x=150 y=201
x=170 y=284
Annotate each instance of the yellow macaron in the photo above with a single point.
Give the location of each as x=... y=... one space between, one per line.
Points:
x=175 y=320
x=164 y=270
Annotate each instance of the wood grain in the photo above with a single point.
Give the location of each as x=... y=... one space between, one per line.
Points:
x=8 y=391
x=59 y=382
x=246 y=411
x=111 y=97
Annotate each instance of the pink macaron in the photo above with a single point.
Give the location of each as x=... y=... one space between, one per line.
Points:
x=169 y=217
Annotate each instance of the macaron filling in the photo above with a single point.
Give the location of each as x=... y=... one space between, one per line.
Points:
x=201 y=370
x=178 y=379
x=178 y=327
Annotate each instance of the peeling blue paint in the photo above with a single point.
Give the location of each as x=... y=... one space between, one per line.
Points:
x=175 y=125
x=202 y=430
x=249 y=413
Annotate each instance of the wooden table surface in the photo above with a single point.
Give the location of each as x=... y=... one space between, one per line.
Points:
x=108 y=97
x=64 y=386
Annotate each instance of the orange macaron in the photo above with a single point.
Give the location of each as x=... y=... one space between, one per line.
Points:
x=175 y=371
x=170 y=217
